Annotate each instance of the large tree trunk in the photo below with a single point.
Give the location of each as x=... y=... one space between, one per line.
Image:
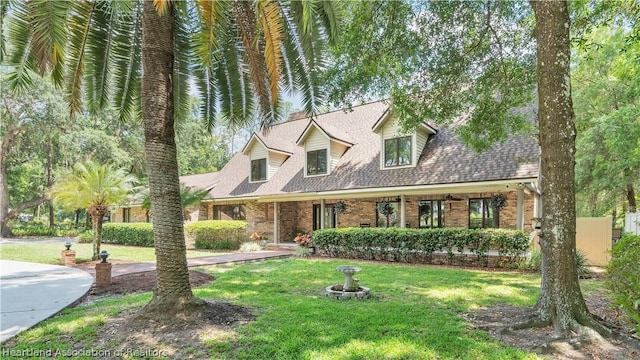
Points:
x=173 y=291
x=561 y=302
x=5 y=230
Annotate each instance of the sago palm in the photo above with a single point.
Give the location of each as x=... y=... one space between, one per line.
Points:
x=94 y=187
x=241 y=54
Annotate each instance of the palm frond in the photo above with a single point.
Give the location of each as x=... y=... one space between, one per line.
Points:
x=301 y=69
x=183 y=57
x=162 y=6
x=100 y=53
x=4 y=5
x=48 y=22
x=207 y=87
x=128 y=65
x=79 y=24
x=331 y=15
x=232 y=85
x=272 y=26
x=20 y=37
x=212 y=17
x=252 y=53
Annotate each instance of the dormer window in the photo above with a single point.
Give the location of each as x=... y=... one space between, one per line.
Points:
x=397 y=151
x=259 y=170
x=317 y=162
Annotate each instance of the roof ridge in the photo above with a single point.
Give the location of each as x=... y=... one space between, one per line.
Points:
x=306 y=118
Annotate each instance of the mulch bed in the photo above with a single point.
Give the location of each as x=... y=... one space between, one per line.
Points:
x=145 y=281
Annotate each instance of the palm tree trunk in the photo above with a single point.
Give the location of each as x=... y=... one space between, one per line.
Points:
x=96 y=247
x=172 y=292
x=97 y=217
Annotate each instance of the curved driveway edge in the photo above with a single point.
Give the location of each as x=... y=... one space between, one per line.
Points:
x=30 y=293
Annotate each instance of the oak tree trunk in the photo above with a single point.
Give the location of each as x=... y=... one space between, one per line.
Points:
x=561 y=302
x=5 y=230
x=173 y=291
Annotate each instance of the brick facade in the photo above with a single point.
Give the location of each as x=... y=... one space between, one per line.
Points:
x=298 y=216
x=295 y=216
x=136 y=214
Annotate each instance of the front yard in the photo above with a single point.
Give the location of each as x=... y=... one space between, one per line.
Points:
x=276 y=310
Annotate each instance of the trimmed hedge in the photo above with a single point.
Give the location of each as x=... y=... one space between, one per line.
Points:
x=623 y=278
x=217 y=234
x=420 y=245
x=39 y=229
x=132 y=234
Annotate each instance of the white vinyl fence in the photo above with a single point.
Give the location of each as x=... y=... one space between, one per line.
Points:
x=632 y=223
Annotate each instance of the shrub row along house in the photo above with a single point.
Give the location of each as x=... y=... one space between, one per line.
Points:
x=357 y=168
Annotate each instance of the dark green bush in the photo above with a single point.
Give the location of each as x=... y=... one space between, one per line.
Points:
x=419 y=245
x=132 y=234
x=217 y=234
x=34 y=228
x=623 y=276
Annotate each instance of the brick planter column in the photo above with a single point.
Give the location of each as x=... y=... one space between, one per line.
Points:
x=68 y=257
x=103 y=274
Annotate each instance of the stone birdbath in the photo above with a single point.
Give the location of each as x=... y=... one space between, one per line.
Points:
x=351 y=288
x=348 y=271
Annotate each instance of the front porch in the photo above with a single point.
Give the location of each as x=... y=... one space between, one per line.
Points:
x=283 y=218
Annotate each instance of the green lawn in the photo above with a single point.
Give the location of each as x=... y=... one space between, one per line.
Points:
x=415 y=313
x=49 y=253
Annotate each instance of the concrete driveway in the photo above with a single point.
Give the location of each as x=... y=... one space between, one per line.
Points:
x=30 y=293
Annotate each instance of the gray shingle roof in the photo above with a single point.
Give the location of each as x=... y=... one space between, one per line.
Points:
x=444 y=160
x=200 y=181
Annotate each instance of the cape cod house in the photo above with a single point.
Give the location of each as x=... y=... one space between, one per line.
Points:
x=357 y=168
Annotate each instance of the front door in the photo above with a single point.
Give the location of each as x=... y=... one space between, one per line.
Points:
x=330 y=217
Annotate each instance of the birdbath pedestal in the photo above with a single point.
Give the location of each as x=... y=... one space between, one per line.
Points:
x=348 y=271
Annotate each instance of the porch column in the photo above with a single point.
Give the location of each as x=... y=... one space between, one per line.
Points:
x=403 y=211
x=276 y=222
x=520 y=209
x=322 y=204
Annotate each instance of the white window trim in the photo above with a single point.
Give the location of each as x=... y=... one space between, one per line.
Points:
x=251 y=181
x=414 y=155
x=328 y=152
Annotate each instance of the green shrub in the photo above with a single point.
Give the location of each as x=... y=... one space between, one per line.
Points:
x=132 y=234
x=37 y=228
x=419 y=245
x=623 y=278
x=217 y=234
x=85 y=237
x=302 y=252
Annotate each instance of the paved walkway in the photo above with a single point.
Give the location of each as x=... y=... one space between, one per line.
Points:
x=235 y=258
x=36 y=240
x=30 y=293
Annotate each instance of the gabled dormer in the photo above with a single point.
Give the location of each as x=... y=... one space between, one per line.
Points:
x=323 y=147
x=399 y=149
x=264 y=160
